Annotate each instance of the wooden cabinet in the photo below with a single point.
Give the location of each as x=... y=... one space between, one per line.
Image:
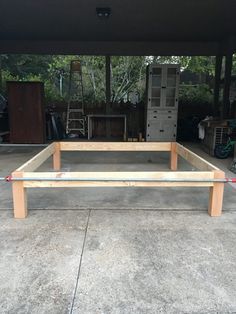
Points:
x=26 y=112
x=162 y=102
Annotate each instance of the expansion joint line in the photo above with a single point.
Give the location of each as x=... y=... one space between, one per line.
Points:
x=80 y=263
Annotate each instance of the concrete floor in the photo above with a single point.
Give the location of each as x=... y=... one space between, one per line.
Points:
x=122 y=258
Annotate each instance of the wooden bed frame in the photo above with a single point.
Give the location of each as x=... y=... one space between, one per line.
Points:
x=205 y=172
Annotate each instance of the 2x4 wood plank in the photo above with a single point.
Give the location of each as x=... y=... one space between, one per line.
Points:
x=195 y=160
x=115 y=146
x=38 y=160
x=92 y=179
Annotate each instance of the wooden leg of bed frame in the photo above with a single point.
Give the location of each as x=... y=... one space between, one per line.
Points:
x=57 y=157
x=216 y=195
x=173 y=157
x=19 y=198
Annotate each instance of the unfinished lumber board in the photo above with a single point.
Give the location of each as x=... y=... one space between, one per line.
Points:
x=195 y=160
x=38 y=160
x=173 y=157
x=216 y=195
x=124 y=175
x=68 y=184
x=97 y=179
x=115 y=146
x=57 y=157
x=19 y=197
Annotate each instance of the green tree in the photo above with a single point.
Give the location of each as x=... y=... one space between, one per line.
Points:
x=128 y=73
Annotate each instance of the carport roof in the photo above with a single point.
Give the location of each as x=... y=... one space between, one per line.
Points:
x=135 y=27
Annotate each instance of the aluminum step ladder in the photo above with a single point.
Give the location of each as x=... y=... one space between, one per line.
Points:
x=75 y=119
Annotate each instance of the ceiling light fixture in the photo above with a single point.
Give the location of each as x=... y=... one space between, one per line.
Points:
x=103 y=13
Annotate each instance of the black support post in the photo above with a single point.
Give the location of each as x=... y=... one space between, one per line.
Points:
x=108 y=79
x=0 y=73
x=227 y=81
x=218 y=67
x=108 y=94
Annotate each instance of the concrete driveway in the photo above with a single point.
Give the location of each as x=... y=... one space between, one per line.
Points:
x=115 y=250
x=107 y=261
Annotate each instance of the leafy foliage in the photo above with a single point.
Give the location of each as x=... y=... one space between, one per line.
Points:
x=128 y=74
x=196 y=94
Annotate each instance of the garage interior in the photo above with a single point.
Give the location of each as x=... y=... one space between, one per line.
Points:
x=117 y=250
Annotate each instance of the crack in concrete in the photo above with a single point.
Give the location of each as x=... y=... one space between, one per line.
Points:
x=80 y=264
